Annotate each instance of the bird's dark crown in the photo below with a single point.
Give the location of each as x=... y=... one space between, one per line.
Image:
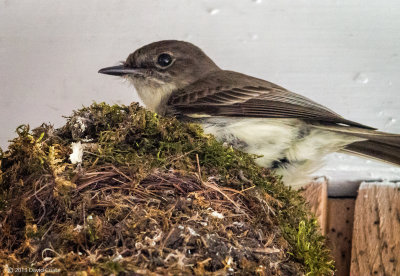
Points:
x=188 y=62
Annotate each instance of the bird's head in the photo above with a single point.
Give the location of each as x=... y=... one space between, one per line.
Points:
x=159 y=68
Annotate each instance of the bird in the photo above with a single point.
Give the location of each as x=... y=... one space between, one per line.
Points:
x=291 y=133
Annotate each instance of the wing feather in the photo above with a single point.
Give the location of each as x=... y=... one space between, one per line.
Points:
x=227 y=93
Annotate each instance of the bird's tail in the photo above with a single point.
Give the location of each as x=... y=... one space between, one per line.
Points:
x=381 y=146
x=376 y=144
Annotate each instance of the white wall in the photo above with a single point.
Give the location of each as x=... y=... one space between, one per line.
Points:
x=341 y=53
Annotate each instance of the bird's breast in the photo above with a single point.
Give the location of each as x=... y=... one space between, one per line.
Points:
x=267 y=137
x=292 y=140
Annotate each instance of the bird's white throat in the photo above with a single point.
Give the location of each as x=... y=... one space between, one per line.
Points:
x=153 y=95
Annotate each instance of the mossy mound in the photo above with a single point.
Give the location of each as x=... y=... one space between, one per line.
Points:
x=150 y=195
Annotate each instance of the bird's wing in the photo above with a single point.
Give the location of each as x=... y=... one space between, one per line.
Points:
x=227 y=93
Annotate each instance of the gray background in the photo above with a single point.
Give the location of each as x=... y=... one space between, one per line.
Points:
x=341 y=53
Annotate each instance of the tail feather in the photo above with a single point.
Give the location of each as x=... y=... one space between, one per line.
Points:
x=381 y=138
x=386 y=152
x=377 y=144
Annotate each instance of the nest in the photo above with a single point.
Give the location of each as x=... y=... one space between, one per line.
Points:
x=147 y=195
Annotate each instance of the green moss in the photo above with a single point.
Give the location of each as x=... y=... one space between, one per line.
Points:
x=125 y=146
x=310 y=252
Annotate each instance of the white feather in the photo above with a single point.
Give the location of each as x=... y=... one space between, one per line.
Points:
x=303 y=145
x=154 y=95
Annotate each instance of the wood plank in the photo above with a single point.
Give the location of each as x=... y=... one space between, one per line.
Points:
x=376 y=235
x=340 y=229
x=316 y=195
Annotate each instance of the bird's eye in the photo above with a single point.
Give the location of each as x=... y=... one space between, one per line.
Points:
x=164 y=60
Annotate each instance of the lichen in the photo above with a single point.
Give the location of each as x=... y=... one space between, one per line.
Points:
x=144 y=199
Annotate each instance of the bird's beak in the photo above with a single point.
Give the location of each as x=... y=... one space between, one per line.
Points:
x=120 y=70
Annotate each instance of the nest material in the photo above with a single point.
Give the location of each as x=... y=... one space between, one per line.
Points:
x=151 y=195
